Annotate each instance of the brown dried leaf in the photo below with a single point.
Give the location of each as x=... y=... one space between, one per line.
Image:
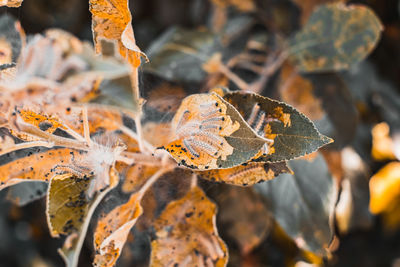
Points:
x=241 y=5
x=186 y=233
x=112 y=231
x=112 y=20
x=247 y=174
x=46 y=123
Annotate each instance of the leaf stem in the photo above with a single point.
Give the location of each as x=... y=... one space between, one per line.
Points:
x=152 y=180
x=25 y=145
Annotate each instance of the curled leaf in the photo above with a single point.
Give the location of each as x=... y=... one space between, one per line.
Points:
x=112 y=21
x=247 y=174
x=112 y=231
x=209 y=133
x=186 y=234
x=291 y=134
x=335 y=37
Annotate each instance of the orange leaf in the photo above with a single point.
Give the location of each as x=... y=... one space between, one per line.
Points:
x=11 y=3
x=112 y=20
x=112 y=231
x=186 y=234
x=246 y=174
x=35 y=166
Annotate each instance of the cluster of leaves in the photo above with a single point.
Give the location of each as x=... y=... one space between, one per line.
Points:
x=72 y=117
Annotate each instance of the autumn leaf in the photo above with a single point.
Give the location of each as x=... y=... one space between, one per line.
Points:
x=209 y=133
x=247 y=174
x=291 y=134
x=335 y=37
x=242 y=5
x=136 y=175
x=186 y=233
x=70 y=209
x=11 y=3
x=35 y=165
x=303 y=203
x=112 y=20
x=112 y=231
x=384 y=188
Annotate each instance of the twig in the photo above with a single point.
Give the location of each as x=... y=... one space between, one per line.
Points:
x=86 y=131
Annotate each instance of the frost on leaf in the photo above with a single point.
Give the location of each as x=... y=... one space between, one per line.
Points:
x=112 y=21
x=209 y=134
x=112 y=231
x=335 y=37
x=291 y=134
x=186 y=234
x=247 y=174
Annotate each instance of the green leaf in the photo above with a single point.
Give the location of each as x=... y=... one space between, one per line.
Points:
x=303 y=203
x=179 y=54
x=291 y=133
x=335 y=37
x=209 y=133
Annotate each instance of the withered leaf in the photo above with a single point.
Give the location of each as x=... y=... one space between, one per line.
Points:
x=303 y=203
x=308 y=6
x=186 y=233
x=291 y=133
x=136 y=176
x=335 y=37
x=112 y=20
x=247 y=174
x=36 y=166
x=46 y=123
x=179 y=54
x=67 y=203
x=69 y=211
x=112 y=231
x=209 y=133
x=11 y=3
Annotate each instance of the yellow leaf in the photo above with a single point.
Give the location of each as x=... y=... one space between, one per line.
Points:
x=112 y=20
x=186 y=234
x=385 y=192
x=382 y=144
x=112 y=231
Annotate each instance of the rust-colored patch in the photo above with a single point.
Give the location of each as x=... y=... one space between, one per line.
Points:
x=283 y=117
x=43 y=122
